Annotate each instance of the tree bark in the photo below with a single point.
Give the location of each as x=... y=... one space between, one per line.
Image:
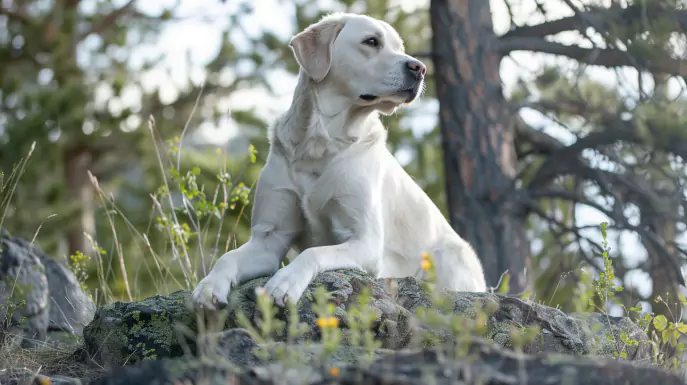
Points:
x=663 y=276
x=79 y=189
x=477 y=129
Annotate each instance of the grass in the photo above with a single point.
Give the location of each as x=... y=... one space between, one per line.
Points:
x=192 y=221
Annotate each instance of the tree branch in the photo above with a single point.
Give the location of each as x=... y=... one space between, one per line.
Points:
x=598 y=18
x=13 y=15
x=621 y=222
x=542 y=142
x=567 y=158
x=544 y=29
x=595 y=56
x=109 y=19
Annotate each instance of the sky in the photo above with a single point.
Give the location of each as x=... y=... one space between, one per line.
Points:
x=200 y=40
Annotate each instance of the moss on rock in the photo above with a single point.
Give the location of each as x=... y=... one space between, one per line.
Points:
x=123 y=332
x=130 y=332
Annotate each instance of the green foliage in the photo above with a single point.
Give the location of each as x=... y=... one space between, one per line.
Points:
x=53 y=102
x=326 y=321
x=78 y=264
x=663 y=334
x=605 y=286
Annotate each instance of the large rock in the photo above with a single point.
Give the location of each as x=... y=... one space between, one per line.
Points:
x=128 y=332
x=24 y=312
x=238 y=347
x=481 y=363
x=70 y=307
x=131 y=332
x=49 y=299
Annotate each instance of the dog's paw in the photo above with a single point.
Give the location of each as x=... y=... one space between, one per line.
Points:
x=212 y=292
x=288 y=284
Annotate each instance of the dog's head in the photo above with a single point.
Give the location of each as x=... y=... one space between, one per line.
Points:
x=361 y=60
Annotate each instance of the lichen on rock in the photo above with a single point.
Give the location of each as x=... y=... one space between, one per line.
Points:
x=156 y=327
x=151 y=329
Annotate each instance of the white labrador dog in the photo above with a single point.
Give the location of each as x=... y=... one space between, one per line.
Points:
x=330 y=187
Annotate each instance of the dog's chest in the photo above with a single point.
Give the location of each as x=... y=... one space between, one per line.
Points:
x=317 y=199
x=305 y=176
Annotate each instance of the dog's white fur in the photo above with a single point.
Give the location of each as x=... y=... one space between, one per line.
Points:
x=330 y=187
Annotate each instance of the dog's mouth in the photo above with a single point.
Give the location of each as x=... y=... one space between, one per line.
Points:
x=411 y=94
x=408 y=95
x=368 y=97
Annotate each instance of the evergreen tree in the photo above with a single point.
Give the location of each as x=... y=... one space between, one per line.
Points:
x=503 y=174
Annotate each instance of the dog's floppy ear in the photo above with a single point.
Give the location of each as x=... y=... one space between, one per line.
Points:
x=313 y=47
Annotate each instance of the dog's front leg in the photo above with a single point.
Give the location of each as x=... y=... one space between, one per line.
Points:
x=290 y=282
x=362 y=251
x=276 y=222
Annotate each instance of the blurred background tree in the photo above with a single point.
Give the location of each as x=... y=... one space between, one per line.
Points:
x=607 y=147
x=75 y=79
x=535 y=114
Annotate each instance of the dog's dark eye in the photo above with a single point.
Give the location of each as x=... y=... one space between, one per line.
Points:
x=372 y=42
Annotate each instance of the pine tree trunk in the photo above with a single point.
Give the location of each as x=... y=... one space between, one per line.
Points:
x=80 y=190
x=477 y=134
x=664 y=276
x=78 y=158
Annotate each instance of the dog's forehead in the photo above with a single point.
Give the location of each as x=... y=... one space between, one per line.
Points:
x=362 y=26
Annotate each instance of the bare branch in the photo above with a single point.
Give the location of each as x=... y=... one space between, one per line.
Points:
x=595 y=56
x=621 y=222
x=13 y=15
x=109 y=19
x=598 y=18
x=544 y=29
x=544 y=143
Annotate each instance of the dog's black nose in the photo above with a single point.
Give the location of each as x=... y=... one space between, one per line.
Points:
x=417 y=68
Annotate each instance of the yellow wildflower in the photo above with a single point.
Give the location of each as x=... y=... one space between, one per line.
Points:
x=334 y=371
x=425 y=256
x=426 y=265
x=324 y=322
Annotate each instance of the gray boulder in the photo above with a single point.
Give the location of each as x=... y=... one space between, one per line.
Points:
x=42 y=293
x=24 y=313
x=480 y=363
x=70 y=307
x=165 y=326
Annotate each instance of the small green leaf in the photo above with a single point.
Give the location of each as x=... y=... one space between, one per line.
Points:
x=660 y=322
x=666 y=335
x=504 y=286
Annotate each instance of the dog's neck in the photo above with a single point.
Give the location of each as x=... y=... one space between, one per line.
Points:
x=312 y=129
